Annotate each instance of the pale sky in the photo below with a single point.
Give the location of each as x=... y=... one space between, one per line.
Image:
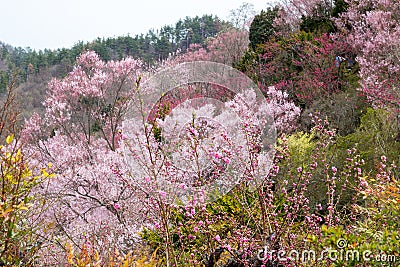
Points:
x=53 y=24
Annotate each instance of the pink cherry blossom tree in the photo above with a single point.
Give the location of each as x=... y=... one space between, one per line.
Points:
x=227 y=47
x=79 y=134
x=371 y=27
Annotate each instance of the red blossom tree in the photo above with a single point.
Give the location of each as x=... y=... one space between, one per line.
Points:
x=305 y=66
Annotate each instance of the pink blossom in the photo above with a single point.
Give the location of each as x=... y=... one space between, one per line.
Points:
x=216 y=154
x=227 y=160
x=162 y=193
x=363 y=183
x=194 y=131
x=373 y=36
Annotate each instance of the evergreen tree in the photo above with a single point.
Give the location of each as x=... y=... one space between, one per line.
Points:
x=262 y=29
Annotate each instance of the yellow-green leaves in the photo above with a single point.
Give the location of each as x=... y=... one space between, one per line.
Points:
x=17 y=179
x=9 y=139
x=44 y=173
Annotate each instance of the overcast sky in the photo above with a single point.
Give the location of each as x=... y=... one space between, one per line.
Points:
x=55 y=24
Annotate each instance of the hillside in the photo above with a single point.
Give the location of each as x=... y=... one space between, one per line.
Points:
x=280 y=136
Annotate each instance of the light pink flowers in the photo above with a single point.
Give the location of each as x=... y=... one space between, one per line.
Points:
x=163 y=194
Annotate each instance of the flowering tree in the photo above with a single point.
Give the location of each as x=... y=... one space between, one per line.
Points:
x=303 y=65
x=79 y=135
x=371 y=27
x=199 y=159
x=320 y=72
x=227 y=47
x=284 y=111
